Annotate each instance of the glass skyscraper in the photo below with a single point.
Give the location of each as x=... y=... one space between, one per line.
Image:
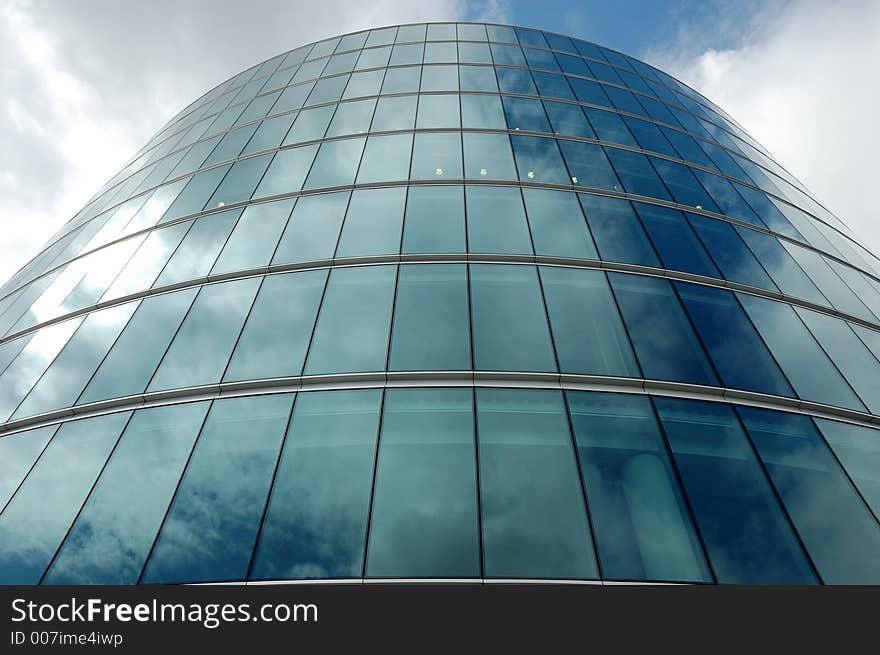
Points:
x=446 y=301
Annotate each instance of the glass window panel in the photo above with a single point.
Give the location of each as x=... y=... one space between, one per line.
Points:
x=836 y=527
x=154 y=208
x=745 y=532
x=310 y=124
x=342 y=345
x=35 y=521
x=341 y=63
x=439 y=78
x=313 y=229
x=373 y=58
x=557 y=224
x=857 y=448
x=477 y=78
x=641 y=520
x=515 y=80
x=18 y=378
x=386 y=158
x=324 y=48
x=197 y=192
x=352 y=42
x=424 y=522
x=636 y=173
x=373 y=223
x=258 y=108
x=610 y=127
x=558 y=42
x=870 y=338
x=327 y=89
x=201 y=348
x=807 y=367
x=740 y=357
x=431 y=325
x=130 y=364
x=383 y=36
x=550 y=85
x=211 y=527
x=650 y=137
x=407 y=54
x=568 y=120
x=507 y=54
x=287 y=171
x=270 y=133
x=148 y=261
x=352 y=118
x=731 y=255
x=589 y=335
x=509 y=322
x=336 y=163
x=440 y=53
x=496 y=220
x=624 y=100
x=363 y=84
x=438 y=111
x=410 y=33
x=588 y=166
x=831 y=286
x=675 y=241
x=434 y=220
x=398 y=113
x=768 y=212
x=684 y=187
x=689 y=150
x=196 y=254
x=253 y=240
x=69 y=373
x=501 y=33
x=534 y=517
x=589 y=92
x=860 y=368
x=488 y=156
x=538 y=160
x=441 y=32
x=277 y=332
x=661 y=334
x=402 y=80
x=482 y=111
x=113 y=534
x=18 y=452
x=784 y=270
x=293 y=97
x=470 y=32
x=618 y=233
x=316 y=521
x=531 y=37
x=474 y=53
x=525 y=114
x=436 y=157
x=231 y=145
x=727 y=198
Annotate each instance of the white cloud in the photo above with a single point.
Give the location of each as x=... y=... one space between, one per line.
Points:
x=85 y=84
x=805 y=85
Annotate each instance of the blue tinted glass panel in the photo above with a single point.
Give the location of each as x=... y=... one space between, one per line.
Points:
x=436 y=157
x=509 y=321
x=431 y=322
x=342 y=344
x=211 y=527
x=398 y=113
x=643 y=526
x=588 y=166
x=482 y=111
x=534 y=517
x=746 y=534
x=525 y=114
x=287 y=171
x=731 y=255
x=557 y=224
x=784 y=270
x=197 y=252
x=675 y=241
x=316 y=521
x=488 y=156
x=858 y=450
x=568 y=120
x=587 y=330
x=834 y=523
x=618 y=233
x=313 y=229
x=424 y=522
x=336 y=163
x=496 y=220
x=538 y=160
x=114 y=532
x=740 y=357
x=373 y=223
x=636 y=173
x=661 y=334
x=254 y=238
x=18 y=452
x=434 y=220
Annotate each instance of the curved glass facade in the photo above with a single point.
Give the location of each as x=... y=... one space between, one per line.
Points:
x=453 y=301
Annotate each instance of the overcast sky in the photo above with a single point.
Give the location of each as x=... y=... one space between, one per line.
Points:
x=84 y=84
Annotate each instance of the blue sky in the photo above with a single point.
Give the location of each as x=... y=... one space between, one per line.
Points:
x=88 y=82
